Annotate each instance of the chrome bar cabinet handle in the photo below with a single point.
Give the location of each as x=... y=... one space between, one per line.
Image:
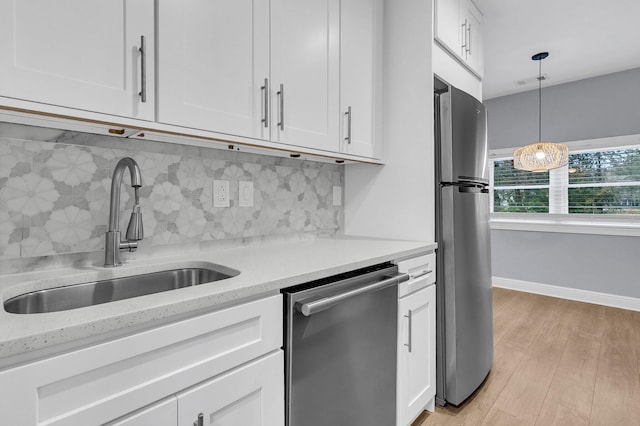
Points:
x=200 y=421
x=143 y=70
x=463 y=28
x=281 y=97
x=265 y=93
x=410 y=340
x=348 y=114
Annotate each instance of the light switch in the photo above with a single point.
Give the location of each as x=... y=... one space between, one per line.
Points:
x=221 y=193
x=245 y=193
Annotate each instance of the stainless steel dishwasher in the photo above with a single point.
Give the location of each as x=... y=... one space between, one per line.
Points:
x=340 y=349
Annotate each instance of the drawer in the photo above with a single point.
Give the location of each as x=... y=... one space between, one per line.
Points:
x=99 y=383
x=421 y=269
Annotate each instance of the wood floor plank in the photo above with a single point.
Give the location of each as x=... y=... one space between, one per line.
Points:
x=506 y=360
x=589 y=318
x=616 y=399
x=498 y=417
x=503 y=297
x=505 y=309
x=524 y=394
x=556 y=362
x=570 y=395
x=528 y=319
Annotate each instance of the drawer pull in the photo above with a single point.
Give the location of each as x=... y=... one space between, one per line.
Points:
x=423 y=273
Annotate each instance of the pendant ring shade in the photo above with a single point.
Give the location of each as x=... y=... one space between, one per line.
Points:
x=540 y=156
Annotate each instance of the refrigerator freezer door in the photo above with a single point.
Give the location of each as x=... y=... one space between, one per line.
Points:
x=463 y=152
x=468 y=312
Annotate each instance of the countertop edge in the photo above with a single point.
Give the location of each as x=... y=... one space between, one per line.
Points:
x=134 y=315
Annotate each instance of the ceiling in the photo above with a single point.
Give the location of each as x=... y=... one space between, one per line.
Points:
x=584 y=38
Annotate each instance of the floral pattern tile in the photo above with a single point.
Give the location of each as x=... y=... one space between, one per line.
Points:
x=55 y=189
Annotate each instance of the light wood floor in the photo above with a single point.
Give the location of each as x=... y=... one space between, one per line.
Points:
x=556 y=362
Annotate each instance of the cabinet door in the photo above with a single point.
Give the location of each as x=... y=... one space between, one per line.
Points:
x=213 y=59
x=416 y=353
x=448 y=28
x=360 y=75
x=305 y=63
x=80 y=54
x=163 y=413
x=474 y=53
x=252 y=394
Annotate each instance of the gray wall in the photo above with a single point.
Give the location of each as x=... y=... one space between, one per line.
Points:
x=598 y=107
x=602 y=263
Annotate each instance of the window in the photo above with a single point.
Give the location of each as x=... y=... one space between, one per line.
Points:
x=594 y=182
x=598 y=192
x=605 y=182
x=518 y=191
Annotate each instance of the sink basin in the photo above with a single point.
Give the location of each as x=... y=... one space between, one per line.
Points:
x=104 y=291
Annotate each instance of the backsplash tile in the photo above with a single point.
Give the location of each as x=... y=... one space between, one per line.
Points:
x=55 y=190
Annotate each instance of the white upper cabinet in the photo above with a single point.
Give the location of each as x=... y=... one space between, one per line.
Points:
x=447 y=28
x=82 y=54
x=213 y=59
x=300 y=73
x=252 y=68
x=459 y=29
x=474 y=51
x=360 y=76
x=305 y=54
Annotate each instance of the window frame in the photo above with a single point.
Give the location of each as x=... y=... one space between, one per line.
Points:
x=619 y=224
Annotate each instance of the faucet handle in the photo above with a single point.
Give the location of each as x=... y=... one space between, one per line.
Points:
x=135 y=230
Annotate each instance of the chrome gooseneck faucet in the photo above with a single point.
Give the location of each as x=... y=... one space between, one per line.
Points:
x=135 y=231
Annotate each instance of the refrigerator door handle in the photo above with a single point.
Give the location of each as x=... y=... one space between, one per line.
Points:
x=474 y=187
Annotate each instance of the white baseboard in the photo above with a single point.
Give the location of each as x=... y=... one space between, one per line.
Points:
x=623 y=302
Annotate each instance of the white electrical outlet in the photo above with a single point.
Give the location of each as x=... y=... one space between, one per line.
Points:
x=337 y=195
x=221 y=193
x=245 y=193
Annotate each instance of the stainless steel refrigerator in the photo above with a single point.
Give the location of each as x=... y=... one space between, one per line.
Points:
x=464 y=304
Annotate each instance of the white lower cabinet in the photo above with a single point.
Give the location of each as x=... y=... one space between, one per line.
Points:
x=249 y=395
x=163 y=413
x=416 y=370
x=226 y=364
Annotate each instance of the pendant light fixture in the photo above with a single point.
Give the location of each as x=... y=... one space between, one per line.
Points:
x=540 y=156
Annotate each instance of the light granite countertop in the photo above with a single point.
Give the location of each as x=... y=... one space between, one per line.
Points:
x=264 y=268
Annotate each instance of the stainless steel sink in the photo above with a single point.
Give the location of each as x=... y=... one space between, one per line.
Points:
x=104 y=291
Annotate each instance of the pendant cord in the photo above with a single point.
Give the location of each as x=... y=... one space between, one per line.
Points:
x=539 y=101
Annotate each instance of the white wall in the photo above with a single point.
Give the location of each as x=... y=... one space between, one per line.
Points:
x=598 y=107
x=397 y=200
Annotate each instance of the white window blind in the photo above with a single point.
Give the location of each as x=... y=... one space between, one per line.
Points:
x=604 y=181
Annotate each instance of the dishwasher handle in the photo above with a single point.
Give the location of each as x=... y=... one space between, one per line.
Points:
x=309 y=308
